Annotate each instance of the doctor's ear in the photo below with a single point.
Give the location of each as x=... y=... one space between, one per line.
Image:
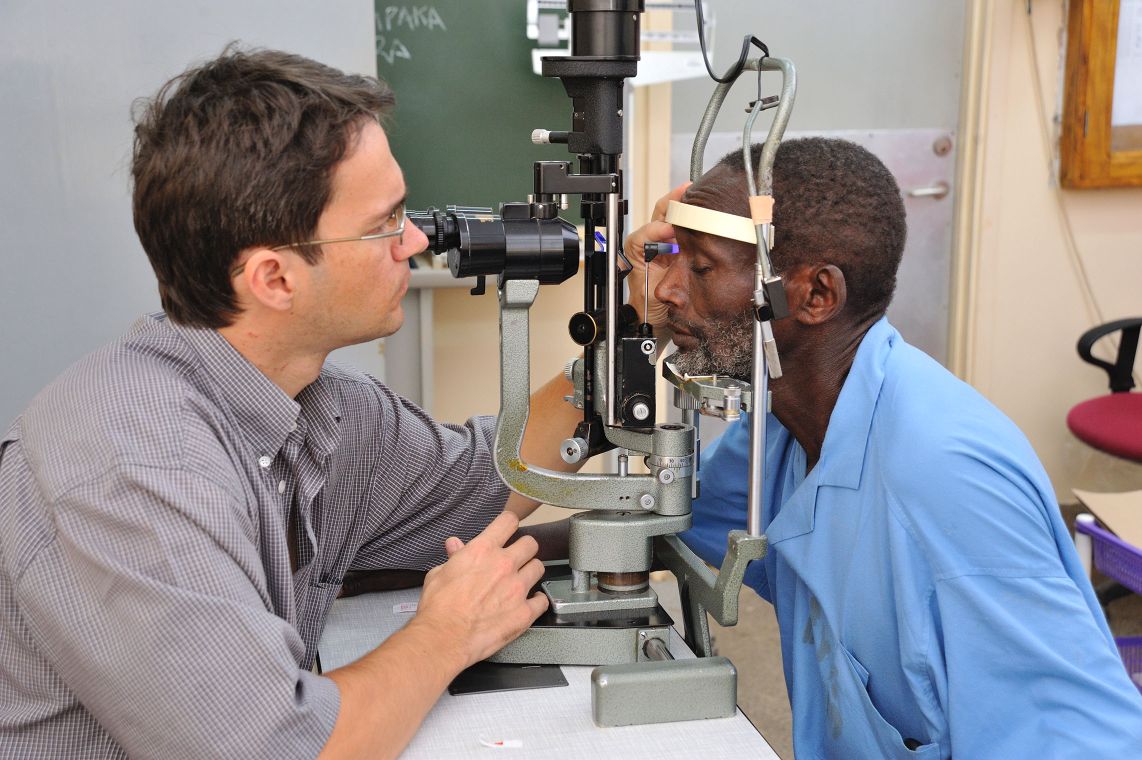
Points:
x=267 y=277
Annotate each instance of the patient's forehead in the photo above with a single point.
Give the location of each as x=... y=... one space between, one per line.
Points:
x=695 y=242
x=720 y=189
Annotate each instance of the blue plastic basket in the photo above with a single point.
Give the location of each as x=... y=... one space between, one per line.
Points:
x=1114 y=557
x=1123 y=562
x=1131 y=650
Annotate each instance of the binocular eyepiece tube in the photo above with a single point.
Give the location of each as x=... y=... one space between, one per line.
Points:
x=512 y=245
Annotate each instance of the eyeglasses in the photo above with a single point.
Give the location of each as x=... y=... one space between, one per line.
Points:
x=393 y=226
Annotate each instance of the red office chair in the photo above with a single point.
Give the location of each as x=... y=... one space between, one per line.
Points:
x=1112 y=423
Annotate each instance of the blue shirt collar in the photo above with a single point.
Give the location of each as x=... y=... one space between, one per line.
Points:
x=846 y=440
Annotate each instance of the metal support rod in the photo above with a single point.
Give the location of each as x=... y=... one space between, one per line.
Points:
x=656 y=649
x=692 y=418
x=613 y=243
x=646 y=294
x=780 y=119
x=424 y=300
x=580 y=581
x=776 y=129
x=760 y=382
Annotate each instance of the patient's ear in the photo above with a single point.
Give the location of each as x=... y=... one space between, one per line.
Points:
x=816 y=293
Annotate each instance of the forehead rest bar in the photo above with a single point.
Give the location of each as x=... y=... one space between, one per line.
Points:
x=714 y=222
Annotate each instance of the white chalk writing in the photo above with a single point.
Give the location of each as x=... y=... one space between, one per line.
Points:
x=390 y=50
x=409 y=17
x=400 y=17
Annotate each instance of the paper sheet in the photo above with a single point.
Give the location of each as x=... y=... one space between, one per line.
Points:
x=547 y=723
x=1119 y=512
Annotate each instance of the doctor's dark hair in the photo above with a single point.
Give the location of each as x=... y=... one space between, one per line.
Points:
x=234 y=153
x=834 y=203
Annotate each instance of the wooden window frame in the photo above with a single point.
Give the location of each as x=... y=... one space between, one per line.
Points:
x=1086 y=156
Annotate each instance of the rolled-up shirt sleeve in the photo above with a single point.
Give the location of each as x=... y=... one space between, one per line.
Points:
x=148 y=596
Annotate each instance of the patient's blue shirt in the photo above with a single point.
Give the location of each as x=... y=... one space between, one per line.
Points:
x=925 y=585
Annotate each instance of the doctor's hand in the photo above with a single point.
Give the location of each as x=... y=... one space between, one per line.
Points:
x=655 y=231
x=479 y=597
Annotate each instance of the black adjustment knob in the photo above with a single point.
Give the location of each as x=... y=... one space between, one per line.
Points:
x=440 y=243
x=584 y=328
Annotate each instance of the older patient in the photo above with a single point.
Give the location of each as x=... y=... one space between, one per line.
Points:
x=177 y=510
x=929 y=598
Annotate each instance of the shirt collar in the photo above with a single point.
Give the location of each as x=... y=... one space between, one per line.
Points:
x=846 y=439
x=263 y=411
x=322 y=412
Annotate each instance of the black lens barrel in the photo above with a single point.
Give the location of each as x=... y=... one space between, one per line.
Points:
x=511 y=245
x=605 y=28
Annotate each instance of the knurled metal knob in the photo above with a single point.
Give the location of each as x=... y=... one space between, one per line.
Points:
x=573 y=450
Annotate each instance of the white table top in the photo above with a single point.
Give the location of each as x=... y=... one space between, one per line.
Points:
x=550 y=723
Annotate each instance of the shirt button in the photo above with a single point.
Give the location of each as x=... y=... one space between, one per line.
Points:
x=281 y=486
x=264 y=461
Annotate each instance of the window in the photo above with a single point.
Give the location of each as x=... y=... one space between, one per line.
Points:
x=1102 y=110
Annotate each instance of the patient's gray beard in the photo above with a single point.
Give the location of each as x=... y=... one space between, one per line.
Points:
x=728 y=352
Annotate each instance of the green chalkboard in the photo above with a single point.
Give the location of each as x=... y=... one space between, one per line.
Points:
x=467 y=100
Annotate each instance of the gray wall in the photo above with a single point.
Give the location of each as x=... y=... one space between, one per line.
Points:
x=863 y=64
x=72 y=273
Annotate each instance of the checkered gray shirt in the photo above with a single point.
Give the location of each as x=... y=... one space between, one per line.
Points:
x=147 y=605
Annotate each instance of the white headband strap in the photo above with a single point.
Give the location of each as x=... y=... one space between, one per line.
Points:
x=718 y=223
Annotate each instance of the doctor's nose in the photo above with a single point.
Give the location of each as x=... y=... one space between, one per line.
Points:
x=410 y=243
